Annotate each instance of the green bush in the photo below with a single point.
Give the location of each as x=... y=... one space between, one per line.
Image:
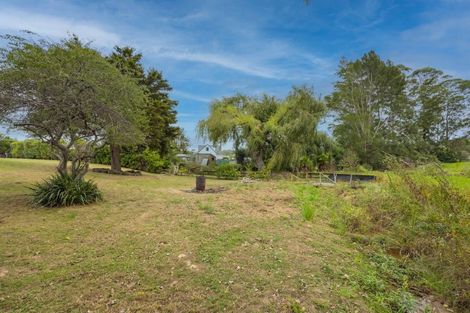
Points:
x=31 y=149
x=102 y=155
x=349 y=161
x=136 y=158
x=265 y=173
x=5 y=145
x=227 y=171
x=63 y=190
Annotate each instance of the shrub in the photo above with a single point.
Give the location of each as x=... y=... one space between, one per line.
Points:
x=354 y=217
x=265 y=173
x=64 y=190
x=136 y=158
x=102 y=155
x=5 y=145
x=349 y=161
x=31 y=149
x=227 y=171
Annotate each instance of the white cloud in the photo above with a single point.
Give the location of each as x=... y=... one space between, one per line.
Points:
x=223 y=60
x=191 y=96
x=56 y=27
x=441 y=31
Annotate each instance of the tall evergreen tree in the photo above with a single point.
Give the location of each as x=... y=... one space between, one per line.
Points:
x=161 y=112
x=371 y=109
x=442 y=109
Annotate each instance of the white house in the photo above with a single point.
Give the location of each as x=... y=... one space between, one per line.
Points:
x=206 y=155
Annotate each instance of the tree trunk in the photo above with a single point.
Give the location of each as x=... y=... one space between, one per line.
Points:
x=62 y=154
x=258 y=159
x=115 y=158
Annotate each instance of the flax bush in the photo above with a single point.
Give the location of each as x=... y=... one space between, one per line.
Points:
x=64 y=190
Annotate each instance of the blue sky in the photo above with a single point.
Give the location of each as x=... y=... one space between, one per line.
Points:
x=213 y=48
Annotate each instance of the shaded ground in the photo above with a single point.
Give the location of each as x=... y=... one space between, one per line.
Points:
x=150 y=246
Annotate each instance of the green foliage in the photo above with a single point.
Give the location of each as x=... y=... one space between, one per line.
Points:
x=228 y=170
x=138 y=158
x=31 y=149
x=385 y=283
x=72 y=98
x=102 y=155
x=274 y=133
x=161 y=134
x=371 y=108
x=5 y=145
x=265 y=173
x=423 y=217
x=146 y=160
x=354 y=217
x=381 y=111
x=307 y=196
x=63 y=190
x=296 y=307
x=207 y=207
x=349 y=161
x=442 y=115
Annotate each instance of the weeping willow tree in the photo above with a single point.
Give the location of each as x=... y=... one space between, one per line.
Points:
x=274 y=132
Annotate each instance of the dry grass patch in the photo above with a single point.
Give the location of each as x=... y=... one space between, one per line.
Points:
x=151 y=247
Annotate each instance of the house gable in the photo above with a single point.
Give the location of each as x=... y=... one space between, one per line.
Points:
x=207 y=150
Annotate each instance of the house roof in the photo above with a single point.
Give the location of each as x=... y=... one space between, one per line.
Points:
x=207 y=149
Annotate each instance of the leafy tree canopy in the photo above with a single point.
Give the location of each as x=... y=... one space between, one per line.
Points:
x=160 y=111
x=273 y=132
x=68 y=95
x=370 y=107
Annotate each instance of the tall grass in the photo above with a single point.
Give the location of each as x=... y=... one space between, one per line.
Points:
x=307 y=197
x=420 y=217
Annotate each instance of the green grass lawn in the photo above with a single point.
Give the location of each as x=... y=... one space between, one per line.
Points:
x=459 y=175
x=153 y=246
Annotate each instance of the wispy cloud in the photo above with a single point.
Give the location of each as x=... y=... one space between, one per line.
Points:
x=190 y=96
x=360 y=15
x=441 y=31
x=56 y=27
x=223 y=60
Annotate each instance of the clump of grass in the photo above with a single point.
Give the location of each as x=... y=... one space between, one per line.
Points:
x=207 y=207
x=64 y=190
x=295 y=307
x=307 y=198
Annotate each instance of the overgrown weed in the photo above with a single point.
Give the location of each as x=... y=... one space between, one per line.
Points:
x=419 y=216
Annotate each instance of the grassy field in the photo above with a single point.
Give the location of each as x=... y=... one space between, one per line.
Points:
x=153 y=246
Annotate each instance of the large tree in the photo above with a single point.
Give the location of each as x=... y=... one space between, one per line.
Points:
x=272 y=131
x=160 y=109
x=67 y=95
x=370 y=107
x=128 y=62
x=442 y=105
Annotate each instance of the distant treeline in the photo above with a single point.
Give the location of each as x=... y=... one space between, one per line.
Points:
x=25 y=149
x=378 y=110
